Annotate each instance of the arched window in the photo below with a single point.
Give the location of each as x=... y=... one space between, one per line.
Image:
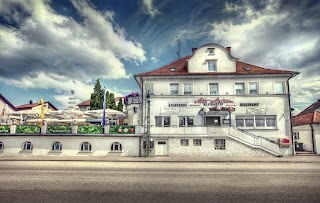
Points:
x=85 y=146
x=116 y=146
x=56 y=146
x=27 y=146
x=1 y=146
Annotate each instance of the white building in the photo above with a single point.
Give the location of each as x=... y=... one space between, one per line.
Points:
x=306 y=129
x=190 y=100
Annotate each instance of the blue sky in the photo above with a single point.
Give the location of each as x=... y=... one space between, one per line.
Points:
x=48 y=48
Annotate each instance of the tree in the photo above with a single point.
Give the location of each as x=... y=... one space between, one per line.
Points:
x=112 y=102
x=95 y=99
x=120 y=105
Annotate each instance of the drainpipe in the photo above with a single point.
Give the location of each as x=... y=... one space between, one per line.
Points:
x=142 y=112
x=291 y=135
x=312 y=137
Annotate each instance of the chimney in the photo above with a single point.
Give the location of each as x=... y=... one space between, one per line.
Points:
x=30 y=102
x=194 y=50
x=228 y=49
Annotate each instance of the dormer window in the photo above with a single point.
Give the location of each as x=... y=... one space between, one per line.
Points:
x=173 y=70
x=211 y=51
x=212 y=66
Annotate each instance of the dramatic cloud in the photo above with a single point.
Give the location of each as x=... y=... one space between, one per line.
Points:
x=47 y=50
x=278 y=35
x=149 y=8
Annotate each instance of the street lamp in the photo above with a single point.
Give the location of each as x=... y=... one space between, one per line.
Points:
x=148 y=147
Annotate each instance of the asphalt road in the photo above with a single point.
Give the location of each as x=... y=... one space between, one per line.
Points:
x=61 y=181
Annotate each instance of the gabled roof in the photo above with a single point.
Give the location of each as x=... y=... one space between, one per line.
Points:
x=8 y=102
x=242 y=68
x=30 y=106
x=307 y=116
x=85 y=103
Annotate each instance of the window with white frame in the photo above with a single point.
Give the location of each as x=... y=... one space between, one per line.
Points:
x=149 y=87
x=85 y=147
x=211 y=51
x=253 y=88
x=220 y=144
x=116 y=147
x=174 y=89
x=256 y=121
x=212 y=66
x=296 y=135
x=151 y=144
x=184 y=142
x=27 y=146
x=56 y=146
x=1 y=146
x=279 y=87
x=239 y=88
x=186 y=121
x=196 y=142
x=162 y=121
x=213 y=89
x=187 y=88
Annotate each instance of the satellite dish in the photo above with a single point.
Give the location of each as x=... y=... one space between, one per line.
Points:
x=72 y=92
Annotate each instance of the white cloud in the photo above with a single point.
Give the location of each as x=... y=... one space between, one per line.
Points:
x=154 y=59
x=274 y=37
x=149 y=8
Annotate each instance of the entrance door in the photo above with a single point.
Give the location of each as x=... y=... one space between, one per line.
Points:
x=213 y=121
x=162 y=148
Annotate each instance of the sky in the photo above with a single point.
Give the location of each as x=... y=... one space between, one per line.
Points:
x=48 y=48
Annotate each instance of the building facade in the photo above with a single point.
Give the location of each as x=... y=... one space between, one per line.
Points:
x=212 y=104
x=306 y=129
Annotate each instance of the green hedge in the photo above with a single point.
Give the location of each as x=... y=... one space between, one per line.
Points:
x=121 y=129
x=4 y=129
x=94 y=129
x=28 y=129
x=59 y=129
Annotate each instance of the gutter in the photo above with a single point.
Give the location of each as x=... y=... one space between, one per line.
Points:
x=312 y=137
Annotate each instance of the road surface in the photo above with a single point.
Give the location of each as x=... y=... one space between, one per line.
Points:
x=76 y=181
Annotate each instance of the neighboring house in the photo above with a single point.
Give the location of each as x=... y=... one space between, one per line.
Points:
x=306 y=129
x=192 y=98
x=6 y=107
x=85 y=106
x=36 y=106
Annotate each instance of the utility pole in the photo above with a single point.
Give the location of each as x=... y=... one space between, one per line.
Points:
x=147 y=137
x=178 y=52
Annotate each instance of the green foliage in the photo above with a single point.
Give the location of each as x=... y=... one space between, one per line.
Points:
x=95 y=99
x=120 y=105
x=4 y=129
x=94 y=129
x=28 y=129
x=124 y=129
x=59 y=129
x=112 y=102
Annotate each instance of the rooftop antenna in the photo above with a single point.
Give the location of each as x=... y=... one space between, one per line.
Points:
x=178 y=52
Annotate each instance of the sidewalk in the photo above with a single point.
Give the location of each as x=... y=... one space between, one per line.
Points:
x=290 y=159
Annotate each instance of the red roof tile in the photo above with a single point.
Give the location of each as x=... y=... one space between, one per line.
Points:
x=30 y=106
x=85 y=103
x=311 y=108
x=307 y=116
x=241 y=69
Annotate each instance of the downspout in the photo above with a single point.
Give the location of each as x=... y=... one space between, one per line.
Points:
x=142 y=112
x=312 y=137
x=291 y=130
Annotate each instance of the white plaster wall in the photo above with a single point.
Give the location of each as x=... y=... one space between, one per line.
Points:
x=2 y=104
x=198 y=62
x=305 y=136
x=101 y=146
x=134 y=118
x=206 y=149
x=317 y=138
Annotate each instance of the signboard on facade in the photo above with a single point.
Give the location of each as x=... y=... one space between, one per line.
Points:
x=256 y=110
x=134 y=100
x=284 y=142
x=169 y=110
x=118 y=129
x=213 y=102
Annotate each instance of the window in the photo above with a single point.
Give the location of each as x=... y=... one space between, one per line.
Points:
x=162 y=121
x=185 y=121
x=149 y=87
x=187 y=88
x=212 y=66
x=253 y=88
x=85 y=147
x=56 y=146
x=174 y=89
x=256 y=121
x=116 y=146
x=296 y=135
x=239 y=87
x=27 y=146
x=184 y=142
x=279 y=87
x=1 y=146
x=151 y=144
x=196 y=142
x=213 y=89
x=220 y=144
x=211 y=51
